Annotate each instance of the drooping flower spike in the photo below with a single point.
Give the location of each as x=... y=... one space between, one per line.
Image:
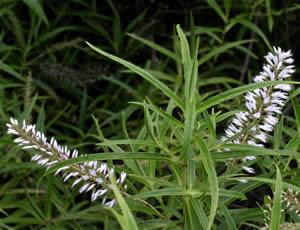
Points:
x=92 y=175
x=263 y=104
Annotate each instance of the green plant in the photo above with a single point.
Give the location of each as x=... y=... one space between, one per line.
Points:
x=175 y=165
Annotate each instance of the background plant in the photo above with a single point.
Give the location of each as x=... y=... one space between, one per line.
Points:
x=53 y=45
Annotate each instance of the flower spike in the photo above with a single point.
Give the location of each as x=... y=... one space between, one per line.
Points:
x=263 y=104
x=93 y=175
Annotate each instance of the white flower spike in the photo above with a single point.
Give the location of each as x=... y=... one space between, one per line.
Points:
x=263 y=104
x=93 y=175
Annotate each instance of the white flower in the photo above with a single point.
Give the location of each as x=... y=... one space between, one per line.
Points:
x=266 y=127
x=248 y=169
x=259 y=78
x=262 y=137
x=271 y=120
x=94 y=177
x=279 y=94
x=284 y=87
x=273 y=108
x=263 y=103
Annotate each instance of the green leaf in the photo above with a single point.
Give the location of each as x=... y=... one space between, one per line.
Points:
x=254 y=28
x=154 y=46
x=162 y=113
x=243 y=150
x=208 y=31
x=216 y=51
x=162 y=182
x=295 y=93
x=191 y=220
x=128 y=142
x=127 y=221
x=267 y=181
x=157 y=224
x=149 y=124
x=5 y=9
x=229 y=94
x=218 y=80
x=296 y=107
x=213 y=4
x=200 y=213
x=29 y=109
x=168 y=192
x=35 y=5
x=293 y=143
x=278 y=134
x=187 y=63
x=11 y=71
x=227 y=6
x=210 y=121
x=229 y=220
x=276 y=212
x=143 y=73
x=212 y=178
x=189 y=123
x=269 y=13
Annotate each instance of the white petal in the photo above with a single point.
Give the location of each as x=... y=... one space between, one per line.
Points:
x=284 y=87
x=248 y=169
x=83 y=188
x=76 y=182
x=110 y=203
x=123 y=177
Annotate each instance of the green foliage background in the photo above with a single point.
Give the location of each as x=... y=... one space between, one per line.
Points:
x=51 y=77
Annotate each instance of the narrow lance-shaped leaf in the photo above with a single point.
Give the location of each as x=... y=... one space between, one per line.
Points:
x=212 y=178
x=236 y=92
x=276 y=212
x=143 y=73
x=127 y=218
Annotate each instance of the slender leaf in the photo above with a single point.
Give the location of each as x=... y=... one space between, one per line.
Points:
x=218 y=50
x=276 y=212
x=36 y=6
x=254 y=28
x=128 y=219
x=212 y=177
x=213 y=4
x=156 y=47
x=236 y=92
x=143 y=73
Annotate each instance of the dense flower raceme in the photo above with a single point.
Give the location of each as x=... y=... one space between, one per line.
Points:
x=91 y=175
x=263 y=104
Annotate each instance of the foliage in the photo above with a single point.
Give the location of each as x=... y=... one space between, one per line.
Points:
x=167 y=138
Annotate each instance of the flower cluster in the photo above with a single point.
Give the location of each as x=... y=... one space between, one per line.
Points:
x=268 y=211
x=263 y=104
x=91 y=175
x=291 y=199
